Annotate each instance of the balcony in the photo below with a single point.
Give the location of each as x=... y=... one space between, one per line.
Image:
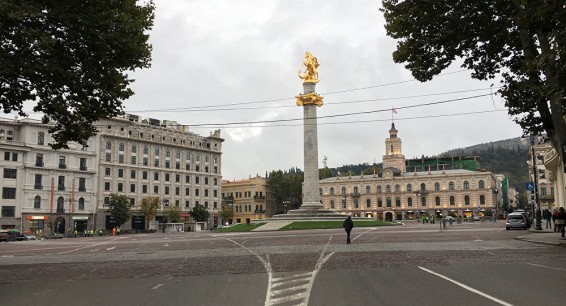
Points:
x=61 y=187
x=259 y=197
x=82 y=189
x=62 y=166
x=39 y=163
x=83 y=168
x=355 y=195
x=37 y=186
x=259 y=211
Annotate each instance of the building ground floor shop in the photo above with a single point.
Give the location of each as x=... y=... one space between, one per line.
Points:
x=417 y=214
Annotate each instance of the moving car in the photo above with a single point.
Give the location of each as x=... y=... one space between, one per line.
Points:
x=516 y=220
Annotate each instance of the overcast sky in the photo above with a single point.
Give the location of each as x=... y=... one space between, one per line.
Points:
x=222 y=56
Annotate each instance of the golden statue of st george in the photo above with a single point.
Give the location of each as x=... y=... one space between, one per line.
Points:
x=310 y=76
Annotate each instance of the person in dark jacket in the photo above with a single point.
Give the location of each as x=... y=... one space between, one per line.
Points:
x=348 y=225
x=561 y=220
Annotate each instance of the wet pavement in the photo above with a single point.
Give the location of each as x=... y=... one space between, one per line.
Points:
x=544 y=236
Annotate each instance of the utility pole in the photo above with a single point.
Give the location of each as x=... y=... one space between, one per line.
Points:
x=538 y=217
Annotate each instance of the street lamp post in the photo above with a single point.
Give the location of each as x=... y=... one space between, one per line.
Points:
x=538 y=217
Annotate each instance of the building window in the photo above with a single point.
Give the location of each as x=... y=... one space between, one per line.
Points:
x=82 y=184
x=378 y=188
x=423 y=201
x=397 y=202
x=187 y=191
x=356 y=203
x=144 y=175
x=331 y=190
x=332 y=204
x=40 y=138
x=482 y=199
x=38 y=182
x=134 y=160
x=121 y=158
x=344 y=203
x=108 y=157
x=133 y=174
x=409 y=187
x=82 y=164
x=8 y=211
x=37 y=202
x=356 y=190
x=10 y=173
x=156 y=176
x=107 y=172
x=81 y=204
x=166 y=189
x=167 y=177
x=343 y=190
x=320 y=191
x=388 y=201
x=466 y=185
x=144 y=188
x=437 y=201
x=452 y=201
x=134 y=149
x=368 y=189
x=155 y=189
x=120 y=172
x=132 y=187
x=481 y=184
x=387 y=188
x=379 y=202
x=106 y=186
x=436 y=186
x=145 y=161
x=410 y=202
x=397 y=188
x=467 y=200
x=451 y=186
x=368 y=203
x=8 y=193
x=121 y=147
x=62 y=164
x=120 y=187
x=6 y=155
x=177 y=191
x=39 y=160
x=108 y=145
x=61 y=183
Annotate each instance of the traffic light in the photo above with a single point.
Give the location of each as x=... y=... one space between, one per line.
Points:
x=532 y=196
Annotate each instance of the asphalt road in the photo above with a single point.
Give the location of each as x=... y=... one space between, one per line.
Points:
x=414 y=264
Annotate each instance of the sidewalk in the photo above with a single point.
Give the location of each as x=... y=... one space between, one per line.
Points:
x=544 y=236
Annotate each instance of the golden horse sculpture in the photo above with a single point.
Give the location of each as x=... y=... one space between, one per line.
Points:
x=311 y=63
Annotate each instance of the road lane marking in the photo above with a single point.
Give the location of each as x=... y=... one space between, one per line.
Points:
x=371 y=229
x=156 y=286
x=467 y=287
x=542 y=266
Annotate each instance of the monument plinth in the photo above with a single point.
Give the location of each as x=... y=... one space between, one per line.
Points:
x=310 y=100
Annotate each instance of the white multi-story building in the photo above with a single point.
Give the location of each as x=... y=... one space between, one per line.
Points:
x=150 y=157
x=45 y=190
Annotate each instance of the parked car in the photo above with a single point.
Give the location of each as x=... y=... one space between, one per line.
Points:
x=54 y=236
x=524 y=213
x=20 y=237
x=3 y=236
x=516 y=220
x=30 y=237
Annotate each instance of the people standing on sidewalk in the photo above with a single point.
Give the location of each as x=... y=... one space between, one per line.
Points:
x=560 y=220
x=547 y=216
x=554 y=213
x=348 y=225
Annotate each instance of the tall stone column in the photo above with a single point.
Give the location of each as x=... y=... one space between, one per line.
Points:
x=311 y=196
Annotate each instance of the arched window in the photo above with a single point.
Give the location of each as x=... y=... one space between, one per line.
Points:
x=481 y=184
x=423 y=187
x=332 y=204
x=437 y=201
x=331 y=190
x=356 y=190
x=81 y=203
x=423 y=201
x=387 y=188
x=121 y=147
x=356 y=205
x=436 y=186
x=37 y=202
x=368 y=189
x=409 y=187
x=397 y=202
x=466 y=185
x=368 y=203
x=467 y=200
x=108 y=145
x=388 y=202
x=451 y=186
x=397 y=188
x=134 y=149
x=378 y=188
x=145 y=150
x=343 y=190
x=482 y=199
x=60 y=205
x=452 y=201
x=410 y=202
x=379 y=202
x=344 y=203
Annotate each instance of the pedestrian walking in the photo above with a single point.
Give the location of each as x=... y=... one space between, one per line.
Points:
x=560 y=220
x=348 y=225
x=548 y=217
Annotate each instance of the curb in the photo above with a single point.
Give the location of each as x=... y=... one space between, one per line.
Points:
x=536 y=241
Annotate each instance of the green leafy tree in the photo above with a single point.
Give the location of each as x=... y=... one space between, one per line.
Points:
x=119 y=208
x=324 y=173
x=148 y=207
x=286 y=187
x=199 y=213
x=71 y=58
x=226 y=213
x=523 y=42
x=173 y=214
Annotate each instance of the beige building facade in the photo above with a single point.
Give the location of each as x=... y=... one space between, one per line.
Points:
x=249 y=199
x=435 y=187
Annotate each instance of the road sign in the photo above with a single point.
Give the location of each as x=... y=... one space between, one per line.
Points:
x=530 y=186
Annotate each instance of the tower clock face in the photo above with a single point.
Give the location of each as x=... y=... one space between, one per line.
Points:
x=387 y=173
